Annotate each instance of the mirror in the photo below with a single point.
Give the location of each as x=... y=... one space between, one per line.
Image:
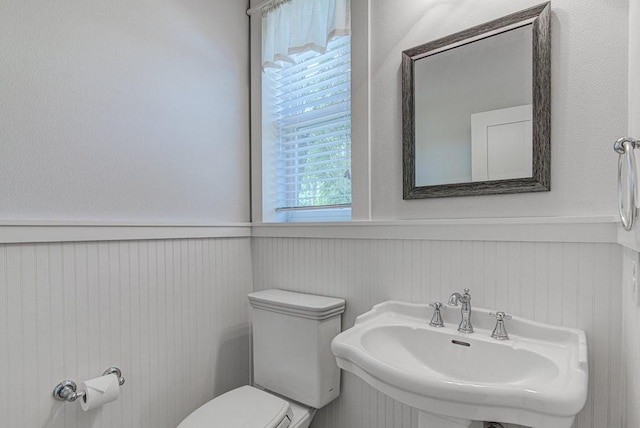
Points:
x=476 y=110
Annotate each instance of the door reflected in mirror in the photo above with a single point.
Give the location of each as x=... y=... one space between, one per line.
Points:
x=476 y=110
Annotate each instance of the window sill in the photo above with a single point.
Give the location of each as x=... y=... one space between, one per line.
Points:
x=321 y=216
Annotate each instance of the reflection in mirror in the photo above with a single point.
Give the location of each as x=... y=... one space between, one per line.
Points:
x=486 y=83
x=476 y=110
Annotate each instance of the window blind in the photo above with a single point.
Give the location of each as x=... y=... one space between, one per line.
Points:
x=311 y=122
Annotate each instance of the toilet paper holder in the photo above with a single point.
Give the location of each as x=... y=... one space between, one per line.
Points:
x=67 y=390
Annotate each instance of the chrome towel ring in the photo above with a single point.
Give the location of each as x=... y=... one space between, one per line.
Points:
x=624 y=147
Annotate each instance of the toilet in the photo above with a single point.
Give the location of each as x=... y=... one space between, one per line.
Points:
x=294 y=370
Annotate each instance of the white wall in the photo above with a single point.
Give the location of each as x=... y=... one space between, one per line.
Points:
x=589 y=109
x=634 y=69
x=631 y=310
x=124 y=111
x=630 y=342
x=173 y=315
x=569 y=284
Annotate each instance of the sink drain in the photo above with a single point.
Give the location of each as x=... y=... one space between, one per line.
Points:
x=493 y=425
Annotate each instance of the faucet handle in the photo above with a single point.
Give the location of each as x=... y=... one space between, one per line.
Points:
x=466 y=291
x=500 y=332
x=436 y=319
x=500 y=316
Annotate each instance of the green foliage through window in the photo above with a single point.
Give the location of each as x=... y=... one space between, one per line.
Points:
x=311 y=103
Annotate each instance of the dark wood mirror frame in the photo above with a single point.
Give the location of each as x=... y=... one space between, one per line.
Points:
x=539 y=18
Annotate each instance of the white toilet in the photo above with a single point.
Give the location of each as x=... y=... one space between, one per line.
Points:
x=294 y=370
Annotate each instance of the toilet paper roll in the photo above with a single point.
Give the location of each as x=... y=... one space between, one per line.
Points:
x=99 y=391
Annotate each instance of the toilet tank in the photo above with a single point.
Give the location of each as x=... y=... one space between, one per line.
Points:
x=292 y=335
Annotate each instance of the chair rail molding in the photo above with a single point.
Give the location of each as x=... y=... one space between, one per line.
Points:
x=12 y=232
x=600 y=229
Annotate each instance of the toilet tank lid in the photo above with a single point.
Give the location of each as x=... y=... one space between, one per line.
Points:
x=302 y=305
x=240 y=408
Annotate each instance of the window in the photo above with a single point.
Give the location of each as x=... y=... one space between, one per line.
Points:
x=306 y=108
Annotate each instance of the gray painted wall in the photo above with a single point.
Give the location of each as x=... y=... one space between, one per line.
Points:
x=589 y=109
x=124 y=111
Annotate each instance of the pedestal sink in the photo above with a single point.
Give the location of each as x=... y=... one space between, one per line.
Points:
x=538 y=378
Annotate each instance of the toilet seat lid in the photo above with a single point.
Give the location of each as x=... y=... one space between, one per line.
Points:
x=241 y=408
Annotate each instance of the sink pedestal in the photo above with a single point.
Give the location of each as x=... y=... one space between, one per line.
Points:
x=429 y=420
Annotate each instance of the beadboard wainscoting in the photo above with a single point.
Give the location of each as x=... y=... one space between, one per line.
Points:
x=172 y=314
x=568 y=284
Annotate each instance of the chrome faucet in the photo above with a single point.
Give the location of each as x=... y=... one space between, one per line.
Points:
x=465 y=300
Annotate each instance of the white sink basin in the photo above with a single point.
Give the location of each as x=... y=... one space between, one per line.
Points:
x=538 y=378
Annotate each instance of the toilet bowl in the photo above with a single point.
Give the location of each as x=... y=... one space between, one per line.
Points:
x=248 y=406
x=294 y=369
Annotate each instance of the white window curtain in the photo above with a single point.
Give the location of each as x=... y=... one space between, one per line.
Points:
x=294 y=26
